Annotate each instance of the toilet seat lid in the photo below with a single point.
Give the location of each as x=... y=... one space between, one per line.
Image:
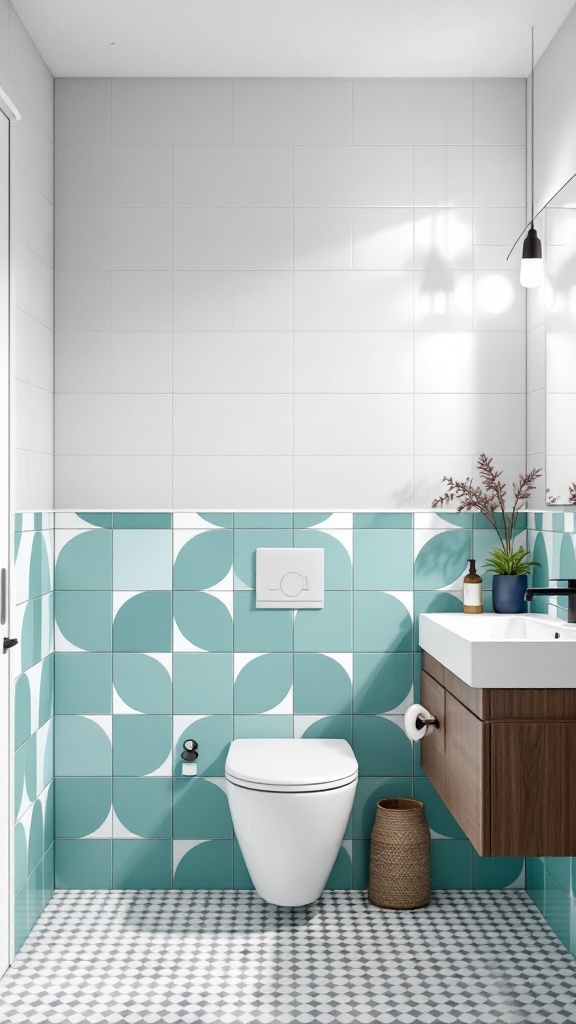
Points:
x=291 y=765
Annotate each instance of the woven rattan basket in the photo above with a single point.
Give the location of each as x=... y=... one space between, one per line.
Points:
x=400 y=856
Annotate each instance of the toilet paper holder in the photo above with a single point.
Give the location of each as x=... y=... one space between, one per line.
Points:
x=422 y=722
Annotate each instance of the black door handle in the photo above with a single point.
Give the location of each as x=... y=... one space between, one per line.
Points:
x=8 y=643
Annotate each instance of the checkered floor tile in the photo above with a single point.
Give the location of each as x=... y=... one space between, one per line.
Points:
x=228 y=958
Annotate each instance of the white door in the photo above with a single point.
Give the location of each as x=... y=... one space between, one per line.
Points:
x=5 y=737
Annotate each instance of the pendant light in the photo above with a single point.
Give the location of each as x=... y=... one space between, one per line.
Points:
x=532 y=266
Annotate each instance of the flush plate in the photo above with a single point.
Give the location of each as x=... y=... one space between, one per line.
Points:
x=290 y=577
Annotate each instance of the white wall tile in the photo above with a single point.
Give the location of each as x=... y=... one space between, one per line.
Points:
x=262 y=301
x=83 y=111
x=350 y=301
x=353 y=424
x=465 y=363
x=226 y=301
x=100 y=481
x=430 y=469
x=498 y=225
x=224 y=176
x=30 y=77
x=360 y=482
x=272 y=112
x=499 y=175
x=468 y=424
x=322 y=111
x=353 y=176
x=412 y=110
x=33 y=480
x=323 y=239
x=384 y=111
x=185 y=111
x=443 y=300
x=537 y=343
x=443 y=238
x=83 y=300
x=34 y=283
x=537 y=407
x=32 y=150
x=84 y=425
x=213 y=239
x=142 y=424
x=83 y=362
x=232 y=425
x=83 y=175
x=500 y=111
x=83 y=238
x=499 y=301
x=32 y=415
x=348 y=363
x=232 y=482
x=141 y=300
x=444 y=176
x=32 y=353
x=247 y=362
x=443 y=111
x=141 y=362
x=32 y=216
x=141 y=176
x=383 y=239
x=142 y=239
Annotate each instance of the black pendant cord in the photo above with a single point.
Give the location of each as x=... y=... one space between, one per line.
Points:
x=532 y=137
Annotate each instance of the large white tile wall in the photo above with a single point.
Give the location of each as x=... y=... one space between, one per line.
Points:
x=286 y=293
x=27 y=80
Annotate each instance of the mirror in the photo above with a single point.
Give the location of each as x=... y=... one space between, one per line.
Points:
x=560 y=325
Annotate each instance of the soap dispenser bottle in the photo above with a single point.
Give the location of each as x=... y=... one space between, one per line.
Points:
x=473 y=590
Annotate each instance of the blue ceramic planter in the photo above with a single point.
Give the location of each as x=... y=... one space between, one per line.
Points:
x=508 y=594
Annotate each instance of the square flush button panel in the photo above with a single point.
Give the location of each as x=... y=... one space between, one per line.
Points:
x=290 y=577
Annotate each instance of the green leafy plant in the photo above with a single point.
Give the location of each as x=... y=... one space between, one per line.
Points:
x=489 y=498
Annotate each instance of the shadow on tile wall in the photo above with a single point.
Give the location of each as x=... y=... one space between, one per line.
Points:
x=158 y=639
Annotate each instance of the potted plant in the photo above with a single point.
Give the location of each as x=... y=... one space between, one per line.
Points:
x=509 y=565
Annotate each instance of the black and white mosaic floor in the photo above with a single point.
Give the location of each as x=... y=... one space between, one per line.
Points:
x=228 y=958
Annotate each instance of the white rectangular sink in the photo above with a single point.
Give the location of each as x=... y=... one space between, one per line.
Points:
x=492 y=651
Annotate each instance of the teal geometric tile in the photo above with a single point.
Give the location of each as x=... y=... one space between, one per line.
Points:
x=369 y=791
x=262 y=520
x=31 y=634
x=482 y=523
x=435 y=520
x=85 y=560
x=535 y=881
x=202 y=683
x=557 y=910
x=18 y=783
x=381 y=746
x=36 y=837
x=381 y=622
x=83 y=683
x=143 y=683
x=83 y=863
x=242 y=878
x=202 y=864
x=560 y=869
x=246 y=542
x=82 y=745
x=325 y=629
x=141 y=745
x=432 y=602
x=213 y=734
x=332 y=727
x=203 y=620
x=498 y=872
x=321 y=685
x=141 y=864
x=21 y=929
x=49 y=815
x=223 y=519
x=82 y=806
x=84 y=619
x=263 y=683
x=101 y=519
x=451 y=864
x=142 y=560
x=304 y=520
x=383 y=520
x=31 y=766
x=382 y=682
x=442 y=559
x=337 y=560
x=204 y=559
x=360 y=863
x=541 y=572
x=40 y=572
x=142 y=520
x=201 y=809
x=260 y=629
x=438 y=817
x=142 y=807
x=46 y=696
x=22 y=711
x=35 y=895
x=383 y=559
x=20 y=855
x=144 y=623
x=262 y=727
x=340 y=876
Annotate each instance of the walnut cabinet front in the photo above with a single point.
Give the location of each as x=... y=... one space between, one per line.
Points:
x=504 y=762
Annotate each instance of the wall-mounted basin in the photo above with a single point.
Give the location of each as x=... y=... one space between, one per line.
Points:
x=503 y=651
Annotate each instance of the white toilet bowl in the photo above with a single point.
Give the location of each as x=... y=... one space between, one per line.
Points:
x=290 y=802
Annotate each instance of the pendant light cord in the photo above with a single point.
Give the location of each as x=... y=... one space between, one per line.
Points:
x=532 y=139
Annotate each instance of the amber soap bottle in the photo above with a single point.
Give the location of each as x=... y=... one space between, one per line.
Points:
x=473 y=590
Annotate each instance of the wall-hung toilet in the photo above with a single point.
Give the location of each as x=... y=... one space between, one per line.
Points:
x=290 y=802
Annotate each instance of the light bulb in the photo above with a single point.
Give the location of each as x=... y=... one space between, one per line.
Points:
x=532 y=272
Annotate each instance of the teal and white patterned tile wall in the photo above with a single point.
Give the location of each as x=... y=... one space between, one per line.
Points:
x=551 y=881
x=32 y=672
x=158 y=639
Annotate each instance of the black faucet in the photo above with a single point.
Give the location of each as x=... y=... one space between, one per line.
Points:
x=569 y=592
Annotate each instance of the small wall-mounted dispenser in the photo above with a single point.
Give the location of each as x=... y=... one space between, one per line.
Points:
x=189 y=755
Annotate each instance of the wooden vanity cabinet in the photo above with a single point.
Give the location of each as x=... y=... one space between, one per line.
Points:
x=504 y=762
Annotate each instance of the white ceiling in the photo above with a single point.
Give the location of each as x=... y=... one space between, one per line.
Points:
x=284 y=38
